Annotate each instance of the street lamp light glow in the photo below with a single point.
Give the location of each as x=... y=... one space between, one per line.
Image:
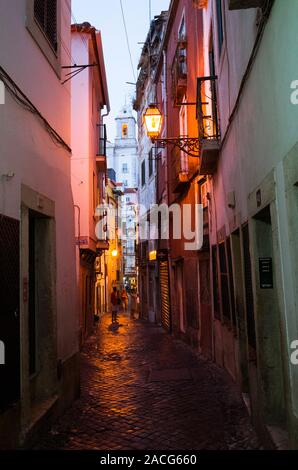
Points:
x=115 y=253
x=153 y=121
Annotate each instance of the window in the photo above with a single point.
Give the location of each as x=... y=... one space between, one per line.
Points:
x=124 y=130
x=231 y=282
x=45 y=13
x=125 y=183
x=219 y=24
x=143 y=173
x=182 y=29
x=43 y=24
x=150 y=159
x=182 y=39
x=124 y=168
x=215 y=283
x=183 y=132
x=213 y=122
x=224 y=282
x=127 y=199
x=94 y=192
x=249 y=297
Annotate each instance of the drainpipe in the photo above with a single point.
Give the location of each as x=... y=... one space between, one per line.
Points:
x=165 y=119
x=166 y=175
x=79 y=223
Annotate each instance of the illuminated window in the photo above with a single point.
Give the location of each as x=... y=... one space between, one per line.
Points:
x=124 y=130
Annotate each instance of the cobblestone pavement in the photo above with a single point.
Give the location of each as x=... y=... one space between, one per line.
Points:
x=142 y=389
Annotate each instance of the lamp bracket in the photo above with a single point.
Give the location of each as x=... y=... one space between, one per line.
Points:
x=188 y=145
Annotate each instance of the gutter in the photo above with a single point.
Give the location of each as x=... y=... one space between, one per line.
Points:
x=103 y=87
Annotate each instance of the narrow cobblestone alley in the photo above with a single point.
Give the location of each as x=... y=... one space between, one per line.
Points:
x=141 y=389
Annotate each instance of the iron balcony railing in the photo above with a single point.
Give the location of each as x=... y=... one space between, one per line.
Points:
x=102 y=140
x=207 y=110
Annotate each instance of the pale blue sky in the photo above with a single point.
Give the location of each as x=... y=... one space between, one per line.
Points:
x=106 y=16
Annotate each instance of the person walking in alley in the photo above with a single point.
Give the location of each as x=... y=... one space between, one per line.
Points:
x=124 y=299
x=134 y=304
x=114 y=303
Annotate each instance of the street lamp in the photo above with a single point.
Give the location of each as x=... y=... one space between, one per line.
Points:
x=153 y=122
x=114 y=253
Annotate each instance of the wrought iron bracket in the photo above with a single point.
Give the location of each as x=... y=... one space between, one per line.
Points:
x=189 y=145
x=76 y=70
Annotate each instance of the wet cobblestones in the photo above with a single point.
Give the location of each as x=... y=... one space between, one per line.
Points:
x=131 y=398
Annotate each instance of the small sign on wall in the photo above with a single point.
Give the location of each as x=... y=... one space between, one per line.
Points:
x=266 y=273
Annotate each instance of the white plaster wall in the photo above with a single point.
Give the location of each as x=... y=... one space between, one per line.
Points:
x=84 y=119
x=21 y=56
x=27 y=150
x=263 y=132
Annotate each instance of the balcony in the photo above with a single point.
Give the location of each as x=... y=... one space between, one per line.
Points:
x=244 y=4
x=101 y=162
x=207 y=115
x=102 y=245
x=179 y=72
x=179 y=170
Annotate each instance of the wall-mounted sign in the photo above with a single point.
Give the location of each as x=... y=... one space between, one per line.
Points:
x=266 y=273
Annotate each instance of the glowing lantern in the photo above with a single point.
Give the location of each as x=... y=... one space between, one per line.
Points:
x=114 y=253
x=153 y=121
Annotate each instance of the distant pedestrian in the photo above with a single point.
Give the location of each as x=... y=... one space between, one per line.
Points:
x=115 y=304
x=134 y=303
x=124 y=299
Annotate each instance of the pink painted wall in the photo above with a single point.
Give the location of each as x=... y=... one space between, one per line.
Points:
x=28 y=151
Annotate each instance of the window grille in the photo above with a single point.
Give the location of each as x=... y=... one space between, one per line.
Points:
x=150 y=159
x=45 y=13
x=143 y=173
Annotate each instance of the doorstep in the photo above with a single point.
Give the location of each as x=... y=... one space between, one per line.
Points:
x=279 y=437
x=40 y=418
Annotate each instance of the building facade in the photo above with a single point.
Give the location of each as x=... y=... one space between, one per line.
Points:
x=114 y=268
x=88 y=165
x=39 y=321
x=234 y=299
x=122 y=158
x=178 y=66
x=148 y=156
x=251 y=205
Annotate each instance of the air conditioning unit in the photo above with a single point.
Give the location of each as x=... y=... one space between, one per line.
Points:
x=244 y=4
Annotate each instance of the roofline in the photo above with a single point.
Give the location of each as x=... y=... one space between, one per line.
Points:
x=170 y=20
x=86 y=28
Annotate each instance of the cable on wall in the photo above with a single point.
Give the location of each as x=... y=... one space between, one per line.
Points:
x=24 y=101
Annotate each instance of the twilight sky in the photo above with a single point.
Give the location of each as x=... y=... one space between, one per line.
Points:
x=106 y=16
